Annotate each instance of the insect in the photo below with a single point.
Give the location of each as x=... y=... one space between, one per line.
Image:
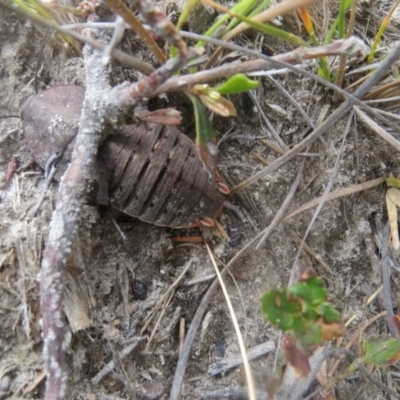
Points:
x=148 y=171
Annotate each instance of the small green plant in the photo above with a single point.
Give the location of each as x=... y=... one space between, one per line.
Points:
x=304 y=314
x=303 y=310
x=307 y=318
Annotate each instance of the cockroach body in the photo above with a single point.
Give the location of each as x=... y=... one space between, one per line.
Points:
x=148 y=171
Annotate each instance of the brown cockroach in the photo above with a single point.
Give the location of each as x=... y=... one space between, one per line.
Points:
x=148 y=171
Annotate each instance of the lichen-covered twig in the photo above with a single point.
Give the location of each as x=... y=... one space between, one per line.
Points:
x=64 y=226
x=100 y=106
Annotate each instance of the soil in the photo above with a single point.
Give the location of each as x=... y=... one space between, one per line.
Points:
x=114 y=282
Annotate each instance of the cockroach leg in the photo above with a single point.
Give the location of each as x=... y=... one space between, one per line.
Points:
x=231 y=207
x=51 y=162
x=223 y=188
x=206 y=221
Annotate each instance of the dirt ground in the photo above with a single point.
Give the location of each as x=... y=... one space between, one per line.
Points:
x=115 y=283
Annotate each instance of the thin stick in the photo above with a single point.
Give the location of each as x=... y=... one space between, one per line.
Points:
x=120 y=8
x=249 y=375
x=234 y=360
x=326 y=190
x=335 y=195
x=387 y=293
x=111 y=365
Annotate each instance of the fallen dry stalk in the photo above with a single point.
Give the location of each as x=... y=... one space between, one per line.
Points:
x=246 y=364
x=370 y=123
x=335 y=195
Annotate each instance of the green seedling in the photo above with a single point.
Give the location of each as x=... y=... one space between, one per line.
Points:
x=303 y=310
x=339 y=23
x=238 y=83
x=212 y=98
x=381 y=30
x=323 y=69
x=307 y=318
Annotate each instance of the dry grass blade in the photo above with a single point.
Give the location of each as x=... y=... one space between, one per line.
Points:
x=249 y=376
x=327 y=189
x=310 y=251
x=386 y=91
x=335 y=195
x=370 y=123
x=275 y=134
x=292 y=100
x=120 y=8
x=110 y=365
x=166 y=297
x=387 y=292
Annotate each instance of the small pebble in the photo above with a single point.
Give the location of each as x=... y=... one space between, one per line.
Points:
x=139 y=290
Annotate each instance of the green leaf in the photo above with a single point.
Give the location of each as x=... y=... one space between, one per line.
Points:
x=310 y=290
x=382 y=352
x=261 y=7
x=279 y=310
x=242 y=8
x=237 y=84
x=329 y=313
x=205 y=137
x=303 y=311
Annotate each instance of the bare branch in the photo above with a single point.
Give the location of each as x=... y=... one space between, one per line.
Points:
x=63 y=227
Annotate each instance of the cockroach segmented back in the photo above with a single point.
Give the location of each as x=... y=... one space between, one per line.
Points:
x=149 y=171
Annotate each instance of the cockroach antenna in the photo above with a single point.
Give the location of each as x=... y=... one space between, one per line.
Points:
x=9 y=116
